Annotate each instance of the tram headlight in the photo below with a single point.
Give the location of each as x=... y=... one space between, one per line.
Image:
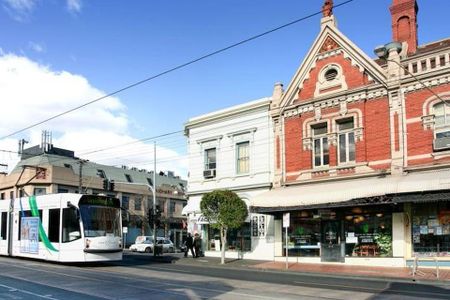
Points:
x=88 y=243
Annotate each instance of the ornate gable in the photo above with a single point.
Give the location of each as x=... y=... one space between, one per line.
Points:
x=333 y=64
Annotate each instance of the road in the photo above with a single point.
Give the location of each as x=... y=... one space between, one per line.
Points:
x=138 y=276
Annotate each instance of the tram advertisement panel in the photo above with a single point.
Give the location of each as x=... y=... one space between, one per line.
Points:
x=29 y=235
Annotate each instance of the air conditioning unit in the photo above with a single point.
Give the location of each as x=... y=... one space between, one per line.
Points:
x=211 y=173
x=441 y=143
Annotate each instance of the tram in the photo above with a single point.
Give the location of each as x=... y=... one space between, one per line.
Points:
x=62 y=227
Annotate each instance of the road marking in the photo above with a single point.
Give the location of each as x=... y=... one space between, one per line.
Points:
x=13 y=289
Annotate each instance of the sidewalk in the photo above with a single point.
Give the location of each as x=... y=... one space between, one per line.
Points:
x=424 y=274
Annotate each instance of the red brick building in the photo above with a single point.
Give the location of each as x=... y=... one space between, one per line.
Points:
x=363 y=149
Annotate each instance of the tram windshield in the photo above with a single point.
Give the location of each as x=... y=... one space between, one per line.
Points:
x=100 y=216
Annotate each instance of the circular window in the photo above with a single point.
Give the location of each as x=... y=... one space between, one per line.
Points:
x=331 y=74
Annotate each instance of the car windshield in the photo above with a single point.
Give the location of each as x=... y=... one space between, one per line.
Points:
x=100 y=220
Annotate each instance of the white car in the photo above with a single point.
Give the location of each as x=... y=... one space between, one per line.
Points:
x=147 y=246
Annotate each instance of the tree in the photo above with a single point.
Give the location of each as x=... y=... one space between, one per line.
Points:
x=224 y=210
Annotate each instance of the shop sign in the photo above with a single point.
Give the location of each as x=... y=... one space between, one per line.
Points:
x=366 y=239
x=286 y=220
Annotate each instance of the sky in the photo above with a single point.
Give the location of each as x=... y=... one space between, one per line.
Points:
x=59 y=54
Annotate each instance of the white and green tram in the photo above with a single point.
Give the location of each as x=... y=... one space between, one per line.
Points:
x=62 y=227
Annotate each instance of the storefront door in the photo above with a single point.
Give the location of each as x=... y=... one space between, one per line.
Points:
x=331 y=241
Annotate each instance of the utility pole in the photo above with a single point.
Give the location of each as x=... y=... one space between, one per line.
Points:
x=80 y=177
x=154 y=198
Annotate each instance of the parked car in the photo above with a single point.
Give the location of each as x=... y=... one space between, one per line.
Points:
x=146 y=245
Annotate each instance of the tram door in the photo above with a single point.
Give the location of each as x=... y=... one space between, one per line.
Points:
x=331 y=241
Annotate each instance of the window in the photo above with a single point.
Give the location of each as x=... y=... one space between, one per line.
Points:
x=68 y=166
x=11 y=195
x=53 y=225
x=125 y=202
x=128 y=178
x=39 y=191
x=210 y=163
x=101 y=174
x=70 y=225
x=243 y=158
x=63 y=190
x=331 y=74
x=2 y=196
x=441 y=126
x=321 y=155
x=346 y=140
x=3 y=224
x=258 y=226
x=137 y=203
x=172 y=207
x=210 y=159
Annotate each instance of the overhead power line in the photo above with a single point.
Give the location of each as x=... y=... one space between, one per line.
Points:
x=173 y=69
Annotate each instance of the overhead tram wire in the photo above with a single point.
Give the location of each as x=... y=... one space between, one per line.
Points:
x=173 y=69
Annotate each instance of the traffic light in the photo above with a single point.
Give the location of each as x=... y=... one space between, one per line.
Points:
x=150 y=216
x=157 y=216
x=105 y=184
x=111 y=186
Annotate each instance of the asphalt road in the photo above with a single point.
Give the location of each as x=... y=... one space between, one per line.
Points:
x=139 y=276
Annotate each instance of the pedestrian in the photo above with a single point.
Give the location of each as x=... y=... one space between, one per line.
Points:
x=197 y=244
x=189 y=245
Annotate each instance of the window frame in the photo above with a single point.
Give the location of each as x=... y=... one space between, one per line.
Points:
x=346 y=133
x=207 y=164
x=445 y=127
x=239 y=159
x=322 y=138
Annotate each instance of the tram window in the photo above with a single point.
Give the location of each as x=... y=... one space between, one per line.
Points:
x=3 y=225
x=53 y=225
x=71 y=225
x=27 y=213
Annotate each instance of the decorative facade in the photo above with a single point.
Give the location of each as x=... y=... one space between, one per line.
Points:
x=362 y=149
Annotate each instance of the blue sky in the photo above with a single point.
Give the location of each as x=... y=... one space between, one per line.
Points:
x=111 y=44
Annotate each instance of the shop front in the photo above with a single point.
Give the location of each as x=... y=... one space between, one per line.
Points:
x=335 y=234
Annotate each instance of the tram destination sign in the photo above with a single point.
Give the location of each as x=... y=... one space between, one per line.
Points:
x=100 y=201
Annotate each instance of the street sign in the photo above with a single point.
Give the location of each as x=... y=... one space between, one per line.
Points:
x=125 y=229
x=286 y=220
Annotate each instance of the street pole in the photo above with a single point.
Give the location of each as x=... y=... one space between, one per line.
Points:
x=154 y=198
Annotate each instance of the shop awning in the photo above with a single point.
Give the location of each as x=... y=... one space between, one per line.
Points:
x=192 y=206
x=372 y=190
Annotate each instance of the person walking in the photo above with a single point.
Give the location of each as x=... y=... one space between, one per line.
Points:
x=189 y=245
x=197 y=244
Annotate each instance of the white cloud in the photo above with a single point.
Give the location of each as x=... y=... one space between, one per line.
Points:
x=19 y=10
x=31 y=92
x=37 y=47
x=74 y=6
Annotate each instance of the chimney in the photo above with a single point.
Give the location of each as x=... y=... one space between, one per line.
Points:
x=404 y=23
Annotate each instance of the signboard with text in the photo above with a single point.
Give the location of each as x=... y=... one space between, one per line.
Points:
x=286 y=220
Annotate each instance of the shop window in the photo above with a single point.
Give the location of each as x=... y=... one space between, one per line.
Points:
x=321 y=155
x=304 y=234
x=368 y=232
x=237 y=239
x=431 y=229
x=346 y=141
x=242 y=158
